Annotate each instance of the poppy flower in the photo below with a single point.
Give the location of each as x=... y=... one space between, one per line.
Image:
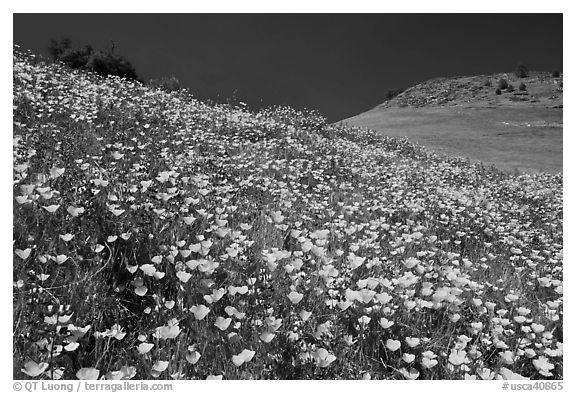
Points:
x=295 y=297
x=243 y=357
x=88 y=373
x=393 y=345
x=410 y=374
x=323 y=358
x=160 y=366
x=141 y=290
x=33 y=369
x=222 y=323
x=543 y=365
x=144 y=348
x=199 y=311
x=51 y=208
x=192 y=357
x=23 y=254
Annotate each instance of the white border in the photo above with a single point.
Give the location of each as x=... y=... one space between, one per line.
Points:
x=294 y=6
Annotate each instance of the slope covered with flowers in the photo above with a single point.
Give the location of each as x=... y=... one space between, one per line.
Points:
x=159 y=237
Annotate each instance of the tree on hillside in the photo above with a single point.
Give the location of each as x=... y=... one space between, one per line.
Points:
x=521 y=71
x=86 y=58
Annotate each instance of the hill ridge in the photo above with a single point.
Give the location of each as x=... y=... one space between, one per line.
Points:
x=541 y=89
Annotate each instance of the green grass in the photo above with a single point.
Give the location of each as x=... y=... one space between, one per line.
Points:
x=513 y=138
x=463 y=116
x=266 y=245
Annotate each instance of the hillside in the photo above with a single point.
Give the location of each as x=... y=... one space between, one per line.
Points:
x=157 y=237
x=542 y=90
x=518 y=130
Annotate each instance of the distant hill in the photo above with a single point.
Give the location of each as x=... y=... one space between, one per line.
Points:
x=541 y=90
x=464 y=116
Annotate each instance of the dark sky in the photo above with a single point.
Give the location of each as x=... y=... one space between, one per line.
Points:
x=339 y=64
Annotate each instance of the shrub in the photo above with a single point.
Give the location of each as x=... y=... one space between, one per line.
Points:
x=86 y=58
x=57 y=48
x=392 y=93
x=502 y=84
x=62 y=51
x=521 y=71
x=77 y=58
x=510 y=88
x=487 y=83
x=522 y=87
x=168 y=84
x=105 y=64
x=498 y=91
x=556 y=74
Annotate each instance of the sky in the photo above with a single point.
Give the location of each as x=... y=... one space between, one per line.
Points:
x=338 y=64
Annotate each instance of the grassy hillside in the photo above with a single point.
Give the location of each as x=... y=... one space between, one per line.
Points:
x=159 y=237
x=517 y=130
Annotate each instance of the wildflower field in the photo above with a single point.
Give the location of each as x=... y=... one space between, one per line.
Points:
x=156 y=236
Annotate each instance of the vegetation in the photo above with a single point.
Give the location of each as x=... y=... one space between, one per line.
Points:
x=521 y=71
x=86 y=58
x=169 y=84
x=502 y=84
x=522 y=86
x=159 y=237
x=556 y=74
x=392 y=93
